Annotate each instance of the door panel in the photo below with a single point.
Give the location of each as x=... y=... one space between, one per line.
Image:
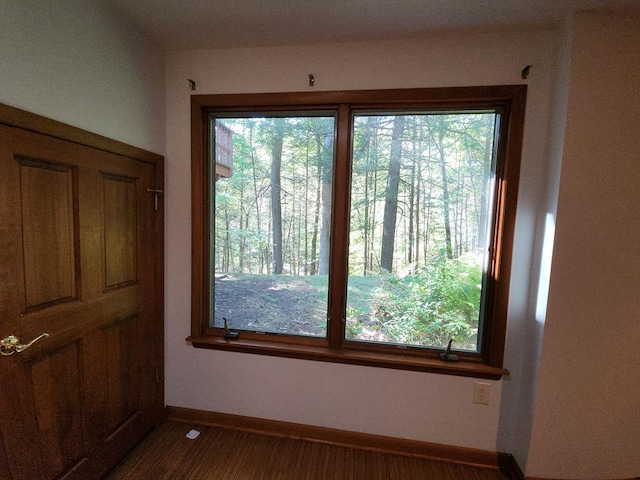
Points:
x=78 y=246
x=119 y=230
x=122 y=382
x=49 y=232
x=5 y=471
x=57 y=406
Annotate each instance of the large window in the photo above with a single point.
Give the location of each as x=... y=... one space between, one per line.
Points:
x=368 y=227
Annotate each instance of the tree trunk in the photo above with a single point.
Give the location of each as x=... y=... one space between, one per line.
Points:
x=306 y=216
x=374 y=216
x=276 y=193
x=325 y=227
x=445 y=190
x=227 y=240
x=263 y=255
x=412 y=196
x=367 y=222
x=243 y=239
x=417 y=213
x=391 y=198
x=316 y=220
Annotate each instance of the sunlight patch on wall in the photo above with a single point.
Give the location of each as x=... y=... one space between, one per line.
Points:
x=545 y=267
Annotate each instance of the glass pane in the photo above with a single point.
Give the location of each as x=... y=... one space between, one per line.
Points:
x=420 y=207
x=271 y=219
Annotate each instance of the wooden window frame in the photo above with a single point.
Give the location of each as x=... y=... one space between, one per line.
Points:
x=508 y=100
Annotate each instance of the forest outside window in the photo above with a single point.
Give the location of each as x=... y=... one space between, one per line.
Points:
x=366 y=227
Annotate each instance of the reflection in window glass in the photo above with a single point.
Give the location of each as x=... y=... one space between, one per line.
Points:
x=271 y=223
x=420 y=206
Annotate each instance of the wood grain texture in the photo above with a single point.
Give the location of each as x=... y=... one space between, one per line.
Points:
x=50 y=239
x=56 y=384
x=5 y=470
x=121 y=340
x=538 y=478
x=119 y=230
x=227 y=454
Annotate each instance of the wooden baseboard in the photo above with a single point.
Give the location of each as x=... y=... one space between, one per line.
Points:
x=433 y=451
x=538 y=478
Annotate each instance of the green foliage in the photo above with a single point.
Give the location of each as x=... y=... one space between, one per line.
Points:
x=438 y=302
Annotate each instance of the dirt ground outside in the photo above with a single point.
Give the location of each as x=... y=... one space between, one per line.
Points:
x=280 y=304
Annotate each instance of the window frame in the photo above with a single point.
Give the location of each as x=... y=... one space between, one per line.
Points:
x=507 y=100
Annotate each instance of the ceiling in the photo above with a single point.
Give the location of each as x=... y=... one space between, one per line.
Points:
x=196 y=24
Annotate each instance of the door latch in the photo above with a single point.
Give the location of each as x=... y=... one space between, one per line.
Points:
x=11 y=344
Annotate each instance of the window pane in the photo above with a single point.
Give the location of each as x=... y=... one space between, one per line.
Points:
x=420 y=207
x=271 y=220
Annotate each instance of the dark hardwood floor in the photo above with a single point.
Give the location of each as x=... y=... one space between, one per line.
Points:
x=225 y=454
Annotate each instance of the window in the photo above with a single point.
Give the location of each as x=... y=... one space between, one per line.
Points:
x=365 y=227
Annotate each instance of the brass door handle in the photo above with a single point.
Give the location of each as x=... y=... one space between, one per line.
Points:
x=11 y=344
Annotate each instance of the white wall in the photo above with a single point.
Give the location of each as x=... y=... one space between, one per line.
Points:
x=587 y=422
x=427 y=407
x=523 y=350
x=76 y=62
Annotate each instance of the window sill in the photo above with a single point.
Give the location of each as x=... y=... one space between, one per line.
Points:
x=464 y=368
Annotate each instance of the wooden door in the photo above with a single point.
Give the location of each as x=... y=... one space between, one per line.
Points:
x=78 y=261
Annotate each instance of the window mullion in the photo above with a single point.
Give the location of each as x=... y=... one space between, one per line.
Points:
x=340 y=227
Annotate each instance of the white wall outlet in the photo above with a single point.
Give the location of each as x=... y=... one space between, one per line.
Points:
x=481 y=393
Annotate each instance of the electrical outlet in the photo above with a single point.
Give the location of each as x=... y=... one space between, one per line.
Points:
x=481 y=393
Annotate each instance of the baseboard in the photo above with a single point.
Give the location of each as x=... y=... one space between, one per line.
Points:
x=433 y=451
x=510 y=469
x=538 y=478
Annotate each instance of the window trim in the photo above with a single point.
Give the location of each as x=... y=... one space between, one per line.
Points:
x=508 y=100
